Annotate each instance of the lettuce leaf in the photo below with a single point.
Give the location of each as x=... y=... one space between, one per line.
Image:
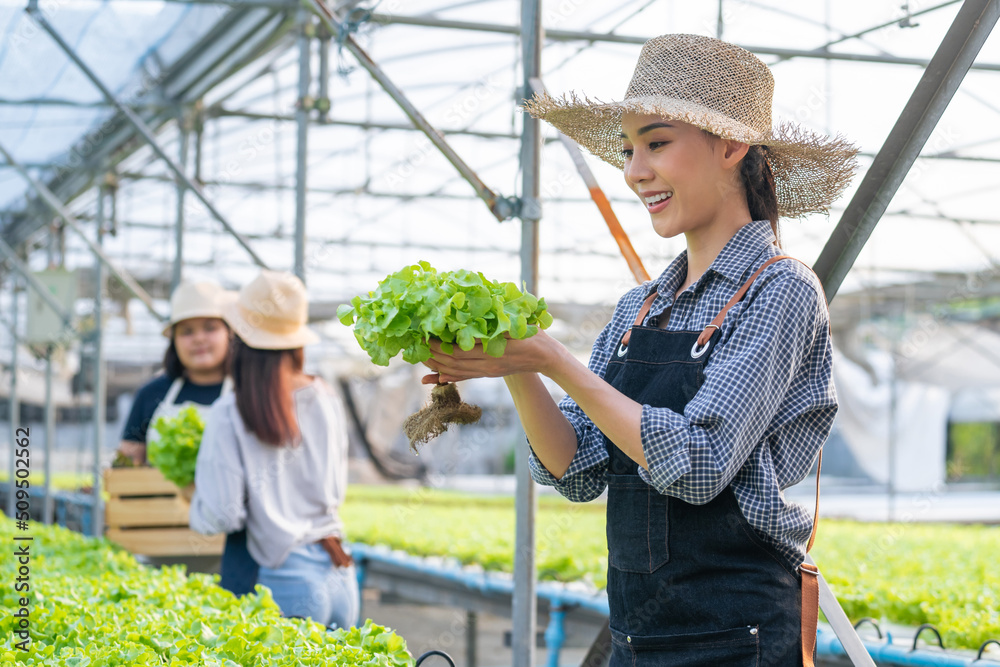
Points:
x=175 y=452
x=461 y=308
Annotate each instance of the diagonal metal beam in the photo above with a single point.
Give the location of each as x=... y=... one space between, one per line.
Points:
x=140 y=126
x=501 y=207
x=126 y=279
x=600 y=199
x=941 y=79
x=953 y=58
x=202 y=66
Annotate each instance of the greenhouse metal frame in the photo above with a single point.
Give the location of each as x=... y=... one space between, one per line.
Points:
x=263 y=26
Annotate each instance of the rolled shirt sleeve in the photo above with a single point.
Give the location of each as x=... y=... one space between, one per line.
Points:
x=755 y=383
x=764 y=410
x=587 y=475
x=219 y=501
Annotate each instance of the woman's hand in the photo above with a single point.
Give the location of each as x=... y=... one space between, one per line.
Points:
x=133 y=450
x=530 y=355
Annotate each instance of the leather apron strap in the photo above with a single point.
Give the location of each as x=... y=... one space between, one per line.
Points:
x=646 y=305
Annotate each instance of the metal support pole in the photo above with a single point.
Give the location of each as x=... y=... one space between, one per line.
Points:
x=893 y=431
x=323 y=104
x=100 y=383
x=525 y=502
x=15 y=404
x=471 y=637
x=50 y=198
x=302 y=110
x=199 y=135
x=139 y=125
x=940 y=81
x=184 y=135
x=50 y=437
x=502 y=208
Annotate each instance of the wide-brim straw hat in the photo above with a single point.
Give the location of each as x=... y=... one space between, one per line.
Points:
x=196 y=299
x=723 y=89
x=270 y=313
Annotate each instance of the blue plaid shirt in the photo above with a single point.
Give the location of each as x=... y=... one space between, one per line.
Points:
x=764 y=410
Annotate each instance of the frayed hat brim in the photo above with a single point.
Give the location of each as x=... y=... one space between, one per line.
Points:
x=811 y=170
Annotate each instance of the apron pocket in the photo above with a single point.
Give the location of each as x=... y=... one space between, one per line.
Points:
x=637 y=525
x=737 y=647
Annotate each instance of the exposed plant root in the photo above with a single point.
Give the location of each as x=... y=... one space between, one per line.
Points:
x=446 y=407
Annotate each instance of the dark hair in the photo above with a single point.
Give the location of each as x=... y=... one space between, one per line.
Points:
x=172 y=365
x=758 y=183
x=263 y=388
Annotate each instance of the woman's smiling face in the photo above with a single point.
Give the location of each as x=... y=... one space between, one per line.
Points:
x=202 y=343
x=680 y=173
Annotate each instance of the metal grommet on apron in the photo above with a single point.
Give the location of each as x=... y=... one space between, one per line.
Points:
x=688 y=584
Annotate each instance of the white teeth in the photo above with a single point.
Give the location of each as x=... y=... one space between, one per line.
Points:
x=658 y=198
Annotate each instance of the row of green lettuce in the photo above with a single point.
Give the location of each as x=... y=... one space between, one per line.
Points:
x=905 y=573
x=92 y=605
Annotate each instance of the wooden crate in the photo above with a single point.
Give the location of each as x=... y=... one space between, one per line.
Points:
x=147 y=515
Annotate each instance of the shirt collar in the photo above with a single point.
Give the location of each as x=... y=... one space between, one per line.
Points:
x=731 y=263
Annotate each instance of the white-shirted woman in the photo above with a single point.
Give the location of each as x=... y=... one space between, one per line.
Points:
x=274 y=458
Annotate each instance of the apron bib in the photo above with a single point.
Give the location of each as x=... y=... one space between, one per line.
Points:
x=691 y=585
x=167 y=408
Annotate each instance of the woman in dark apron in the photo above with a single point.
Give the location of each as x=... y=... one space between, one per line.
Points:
x=710 y=390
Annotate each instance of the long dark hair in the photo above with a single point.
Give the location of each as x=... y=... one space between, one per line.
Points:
x=758 y=182
x=262 y=382
x=172 y=365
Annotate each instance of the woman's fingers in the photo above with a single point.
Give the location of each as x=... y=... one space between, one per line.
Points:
x=520 y=356
x=433 y=378
x=134 y=451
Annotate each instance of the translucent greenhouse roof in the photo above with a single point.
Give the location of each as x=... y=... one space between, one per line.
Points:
x=126 y=42
x=380 y=196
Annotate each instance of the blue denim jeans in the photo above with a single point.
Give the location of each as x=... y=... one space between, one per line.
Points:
x=308 y=585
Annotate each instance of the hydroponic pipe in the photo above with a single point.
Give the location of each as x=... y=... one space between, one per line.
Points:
x=886 y=653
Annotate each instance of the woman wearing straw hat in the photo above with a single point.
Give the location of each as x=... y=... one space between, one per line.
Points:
x=274 y=458
x=196 y=367
x=710 y=390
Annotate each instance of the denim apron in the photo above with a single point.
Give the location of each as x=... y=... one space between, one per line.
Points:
x=691 y=585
